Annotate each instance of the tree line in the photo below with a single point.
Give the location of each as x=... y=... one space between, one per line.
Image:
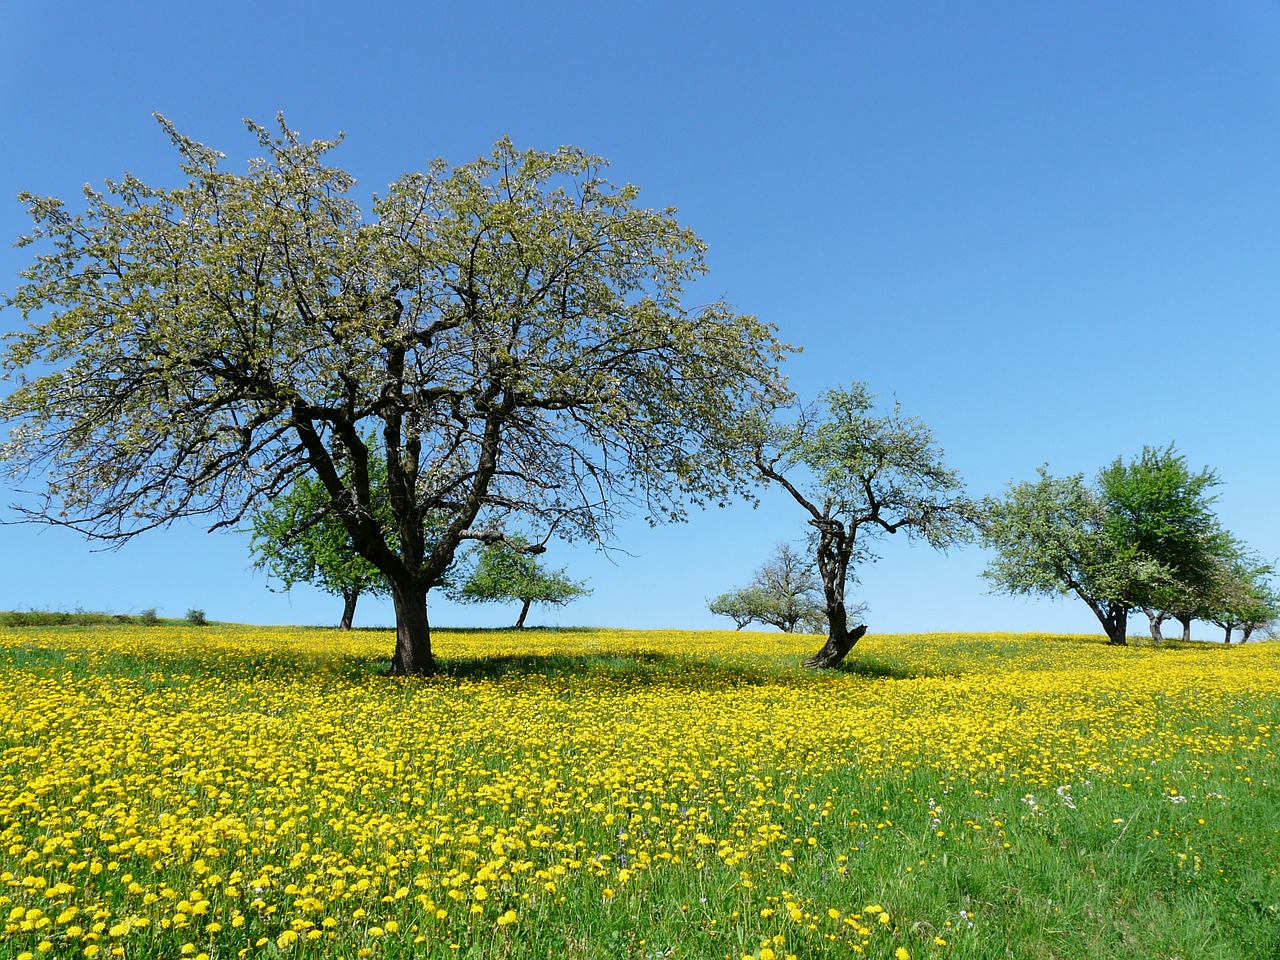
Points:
x=495 y=355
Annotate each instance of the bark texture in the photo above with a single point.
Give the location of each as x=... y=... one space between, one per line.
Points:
x=413 y=633
x=837 y=647
x=1156 y=618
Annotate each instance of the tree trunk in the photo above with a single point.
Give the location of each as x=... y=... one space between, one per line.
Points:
x=1117 y=626
x=1114 y=619
x=1245 y=634
x=1186 y=628
x=348 y=609
x=840 y=640
x=1228 y=636
x=1156 y=619
x=413 y=632
x=524 y=612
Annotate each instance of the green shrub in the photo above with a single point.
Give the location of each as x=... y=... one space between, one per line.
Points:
x=53 y=618
x=196 y=617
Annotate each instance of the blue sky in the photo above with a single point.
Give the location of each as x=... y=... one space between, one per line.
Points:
x=1052 y=231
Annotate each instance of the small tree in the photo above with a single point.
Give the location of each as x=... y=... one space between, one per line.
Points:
x=784 y=593
x=741 y=606
x=860 y=475
x=503 y=573
x=1244 y=598
x=298 y=538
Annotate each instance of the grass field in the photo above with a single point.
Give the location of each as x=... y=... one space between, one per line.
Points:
x=245 y=792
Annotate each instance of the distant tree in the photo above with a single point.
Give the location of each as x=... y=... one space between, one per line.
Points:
x=299 y=538
x=511 y=329
x=1245 y=598
x=742 y=606
x=1144 y=537
x=1157 y=509
x=1051 y=538
x=860 y=475
x=784 y=593
x=503 y=573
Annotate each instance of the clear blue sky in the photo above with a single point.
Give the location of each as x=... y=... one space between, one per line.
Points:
x=1051 y=230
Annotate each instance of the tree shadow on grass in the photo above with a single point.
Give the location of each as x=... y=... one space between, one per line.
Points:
x=639 y=666
x=154 y=668
x=878 y=670
x=646 y=666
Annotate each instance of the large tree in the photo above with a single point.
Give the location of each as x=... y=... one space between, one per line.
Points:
x=784 y=592
x=860 y=475
x=503 y=572
x=512 y=329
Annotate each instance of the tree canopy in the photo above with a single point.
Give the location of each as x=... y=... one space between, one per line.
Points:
x=1158 y=510
x=860 y=475
x=511 y=329
x=1051 y=538
x=1242 y=594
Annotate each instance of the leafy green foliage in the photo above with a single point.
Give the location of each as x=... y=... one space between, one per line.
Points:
x=1051 y=538
x=298 y=538
x=1161 y=511
x=1242 y=594
x=504 y=572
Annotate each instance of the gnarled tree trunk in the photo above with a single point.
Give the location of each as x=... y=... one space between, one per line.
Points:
x=524 y=612
x=840 y=641
x=1156 y=619
x=1114 y=617
x=1117 y=626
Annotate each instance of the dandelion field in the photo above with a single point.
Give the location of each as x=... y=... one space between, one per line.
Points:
x=251 y=792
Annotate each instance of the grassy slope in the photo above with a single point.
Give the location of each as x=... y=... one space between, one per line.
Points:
x=243 y=791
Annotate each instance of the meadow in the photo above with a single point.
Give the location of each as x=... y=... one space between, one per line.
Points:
x=244 y=792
